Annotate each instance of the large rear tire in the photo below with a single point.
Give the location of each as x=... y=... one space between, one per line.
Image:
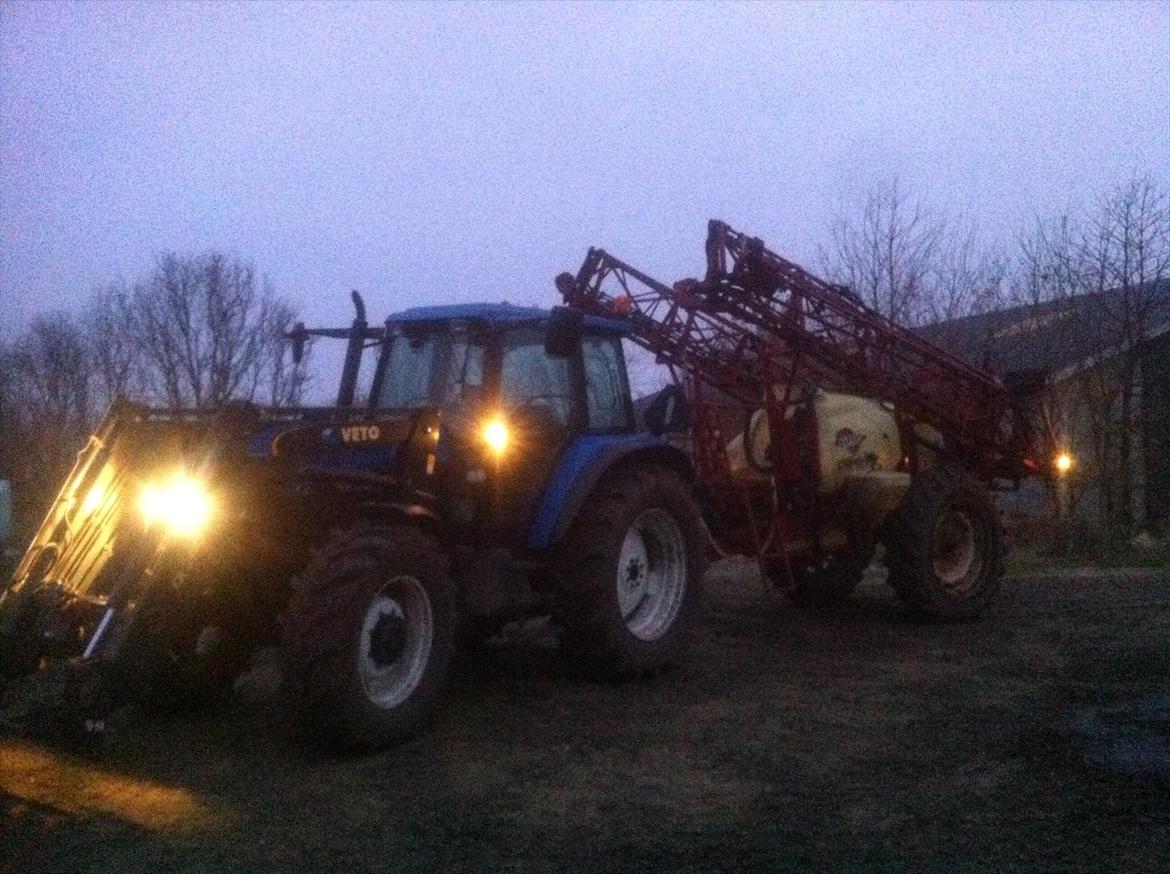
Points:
x=630 y=571
x=368 y=637
x=944 y=549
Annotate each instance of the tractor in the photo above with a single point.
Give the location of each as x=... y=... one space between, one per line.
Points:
x=495 y=472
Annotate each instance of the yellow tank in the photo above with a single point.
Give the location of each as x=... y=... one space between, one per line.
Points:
x=859 y=449
x=855 y=436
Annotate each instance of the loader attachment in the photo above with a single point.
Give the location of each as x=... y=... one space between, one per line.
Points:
x=135 y=497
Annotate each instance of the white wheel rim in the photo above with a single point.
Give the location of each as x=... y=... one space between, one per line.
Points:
x=956 y=558
x=651 y=574
x=404 y=606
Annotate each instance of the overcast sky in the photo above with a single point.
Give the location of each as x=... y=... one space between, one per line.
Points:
x=444 y=152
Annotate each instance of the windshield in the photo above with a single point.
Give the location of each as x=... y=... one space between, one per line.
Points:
x=430 y=369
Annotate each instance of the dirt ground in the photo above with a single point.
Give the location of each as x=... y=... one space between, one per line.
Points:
x=849 y=739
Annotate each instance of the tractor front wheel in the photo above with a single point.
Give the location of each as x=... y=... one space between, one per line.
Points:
x=20 y=644
x=944 y=549
x=630 y=571
x=368 y=636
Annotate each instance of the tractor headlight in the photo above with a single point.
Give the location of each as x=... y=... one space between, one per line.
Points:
x=495 y=434
x=181 y=504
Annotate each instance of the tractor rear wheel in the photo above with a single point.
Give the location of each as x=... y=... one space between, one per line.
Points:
x=368 y=636
x=944 y=548
x=630 y=571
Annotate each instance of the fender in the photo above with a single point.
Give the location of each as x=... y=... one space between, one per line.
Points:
x=583 y=464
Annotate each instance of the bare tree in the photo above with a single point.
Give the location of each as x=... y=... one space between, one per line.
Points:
x=911 y=261
x=52 y=374
x=198 y=331
x=965 y=278
x=46 y=405
x=116 y=358
x=201 y=330
x=1124 y=251
x=888 y=252
x=1048 y=262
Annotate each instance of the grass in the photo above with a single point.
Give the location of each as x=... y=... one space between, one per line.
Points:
x=1104 y=555
x=847 y=739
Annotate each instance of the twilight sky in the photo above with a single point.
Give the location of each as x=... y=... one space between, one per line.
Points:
x=424 y=153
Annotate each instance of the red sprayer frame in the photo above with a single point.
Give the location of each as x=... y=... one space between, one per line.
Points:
x=757 y=326
x=756 y=315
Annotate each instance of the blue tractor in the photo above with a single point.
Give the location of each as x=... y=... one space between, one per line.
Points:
x=495 y=472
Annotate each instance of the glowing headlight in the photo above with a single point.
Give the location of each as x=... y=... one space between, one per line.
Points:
x=1064 y=463
x=181 y=504
x=495 y=434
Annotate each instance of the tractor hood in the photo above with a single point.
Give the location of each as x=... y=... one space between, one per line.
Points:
x=352 y=441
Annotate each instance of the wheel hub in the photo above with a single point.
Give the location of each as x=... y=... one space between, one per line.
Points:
x=956 y=550
x=394 y=646
x=387 y=639
x=651 y=574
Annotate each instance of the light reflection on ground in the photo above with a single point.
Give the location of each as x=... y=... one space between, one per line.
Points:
x=48 y=780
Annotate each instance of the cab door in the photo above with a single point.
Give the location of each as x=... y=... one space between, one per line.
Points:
x=539 y=400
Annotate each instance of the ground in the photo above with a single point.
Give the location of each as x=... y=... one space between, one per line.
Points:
x=854 y=738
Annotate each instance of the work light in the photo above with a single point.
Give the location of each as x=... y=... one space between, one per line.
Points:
x=181 y=504
x=495 y=434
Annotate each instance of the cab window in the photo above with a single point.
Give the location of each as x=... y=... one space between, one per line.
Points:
x=534 y=381
x=465 y=372
x=606 y=392
x=431 y=368
x=411 y=367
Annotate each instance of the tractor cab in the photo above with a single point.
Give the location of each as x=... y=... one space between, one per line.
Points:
x=526 y=407
x=566 y=371
x=558 y=367
x=515 y=388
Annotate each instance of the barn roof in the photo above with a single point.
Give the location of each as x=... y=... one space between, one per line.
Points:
x=1059 y=336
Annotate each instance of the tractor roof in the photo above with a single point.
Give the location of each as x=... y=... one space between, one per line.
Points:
x=497 y=313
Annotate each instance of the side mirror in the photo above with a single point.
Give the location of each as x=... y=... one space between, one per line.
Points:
x=562 y=338
x=564 y=283
x=669 y=412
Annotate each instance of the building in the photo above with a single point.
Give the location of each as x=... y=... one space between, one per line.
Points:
x=1107 y=359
